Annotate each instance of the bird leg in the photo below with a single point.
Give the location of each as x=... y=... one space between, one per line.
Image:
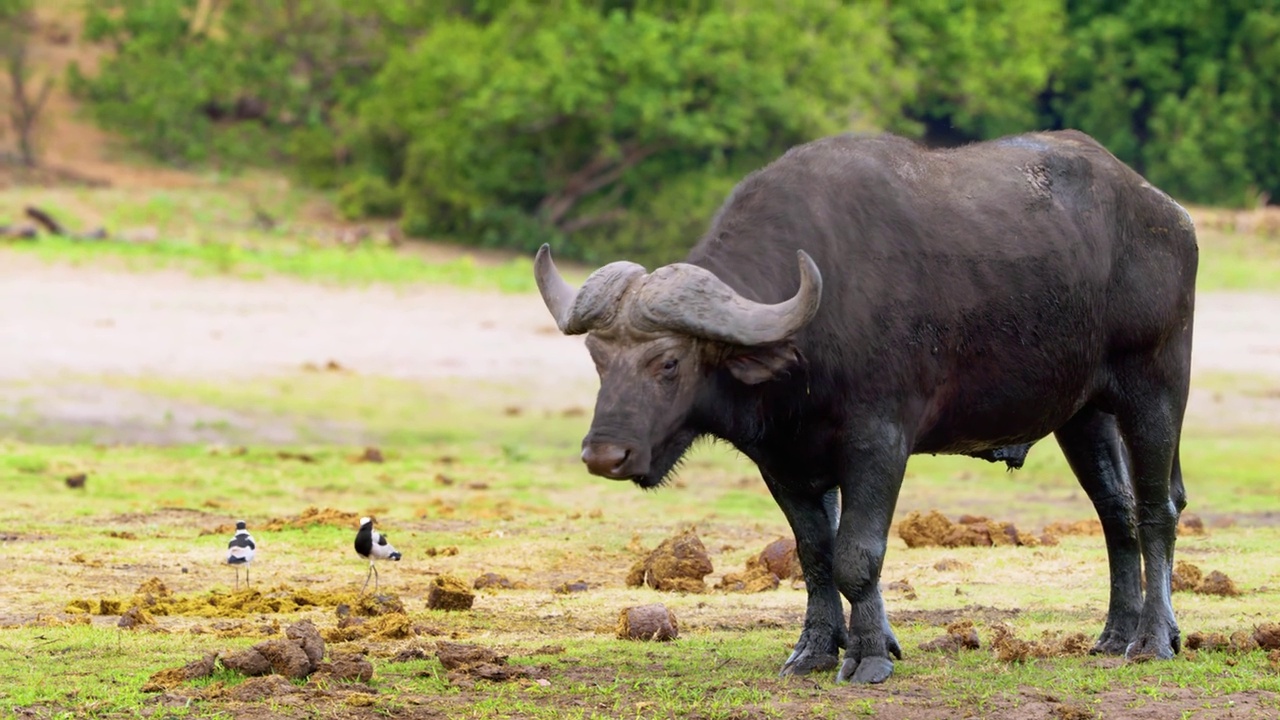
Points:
x=373 y=572
x=246 y=576
x=237 y=578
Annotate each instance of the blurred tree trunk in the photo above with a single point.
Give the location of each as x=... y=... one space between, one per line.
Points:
x=24 y=107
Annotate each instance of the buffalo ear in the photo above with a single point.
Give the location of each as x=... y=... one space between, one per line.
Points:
x=759 y=363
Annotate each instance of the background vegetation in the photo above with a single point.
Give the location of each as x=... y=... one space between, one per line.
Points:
x=617 y=126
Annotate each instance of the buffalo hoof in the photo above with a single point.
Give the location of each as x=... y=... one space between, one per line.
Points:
x=1110 y=643
x=866 y=671
x=1155 y=645
x=812 y=656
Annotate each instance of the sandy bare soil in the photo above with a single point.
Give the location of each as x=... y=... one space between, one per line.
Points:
x=56 y=320
x=84 y=321
x=62 y=327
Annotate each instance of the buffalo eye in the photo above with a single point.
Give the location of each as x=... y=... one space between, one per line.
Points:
x=669 y=367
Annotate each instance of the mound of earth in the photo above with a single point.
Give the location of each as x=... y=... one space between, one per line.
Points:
x=934 y=529
x=678 y=564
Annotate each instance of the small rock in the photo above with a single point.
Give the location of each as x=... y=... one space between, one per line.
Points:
x=77 y=481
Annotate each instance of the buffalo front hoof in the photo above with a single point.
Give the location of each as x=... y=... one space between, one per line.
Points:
x=1110 y=643
x=866 y=671
x=813 y=656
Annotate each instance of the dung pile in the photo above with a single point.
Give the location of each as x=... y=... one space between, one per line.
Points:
x=1264 y=637
x=158 y=601
x=934 y=529
x=299 y=654
x=467 y=663
x=960 y=635
x=679 y=564
x=1009 y=648
x=307 y=518
x=391 y=626
x=775 y=563
x=1187 y=576
x=1188 y=524
x=449 y=593
x=647 y=622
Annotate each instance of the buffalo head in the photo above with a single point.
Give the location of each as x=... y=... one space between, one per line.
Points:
x=657 y=340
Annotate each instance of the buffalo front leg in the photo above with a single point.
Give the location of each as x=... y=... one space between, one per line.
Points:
x=1090 y=441
x=869 y=493
x=813 y=519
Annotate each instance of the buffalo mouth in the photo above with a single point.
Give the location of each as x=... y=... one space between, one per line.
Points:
x=665 y=460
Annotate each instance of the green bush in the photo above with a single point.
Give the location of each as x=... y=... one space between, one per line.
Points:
x=368 y=196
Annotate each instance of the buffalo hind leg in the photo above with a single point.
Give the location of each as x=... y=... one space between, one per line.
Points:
x=1090 y=441
x=1150 y=419
x=868 y=492
x=813 y=521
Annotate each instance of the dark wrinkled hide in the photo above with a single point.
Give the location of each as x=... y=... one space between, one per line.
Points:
x=973 y=301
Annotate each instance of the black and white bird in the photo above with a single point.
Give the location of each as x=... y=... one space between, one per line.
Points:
x=240 y=552
x=373 y=545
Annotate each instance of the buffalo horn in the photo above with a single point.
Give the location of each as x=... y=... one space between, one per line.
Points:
x=592 y=306
x=690 y=299
x=556 y=293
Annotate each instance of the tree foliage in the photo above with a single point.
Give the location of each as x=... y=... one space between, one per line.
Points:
x=617 y=126
x=1185 y=90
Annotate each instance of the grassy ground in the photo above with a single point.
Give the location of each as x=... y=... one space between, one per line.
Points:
x=482 y=478
x=500 y=483
x=218 y=229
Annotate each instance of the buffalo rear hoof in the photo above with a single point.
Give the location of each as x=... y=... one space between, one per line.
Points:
x=866 y=671
x=1154 y=646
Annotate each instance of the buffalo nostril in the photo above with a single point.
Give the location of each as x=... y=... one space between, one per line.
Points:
x=605 y=459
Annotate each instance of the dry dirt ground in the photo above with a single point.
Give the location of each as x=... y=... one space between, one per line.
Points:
x=62 y=326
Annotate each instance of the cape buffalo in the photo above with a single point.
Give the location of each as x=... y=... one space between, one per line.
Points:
x=862 y=299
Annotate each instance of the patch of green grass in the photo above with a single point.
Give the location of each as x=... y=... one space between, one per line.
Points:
x=89 y=670
x=1234 y=261
x=473 y=486
x=212 y=231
